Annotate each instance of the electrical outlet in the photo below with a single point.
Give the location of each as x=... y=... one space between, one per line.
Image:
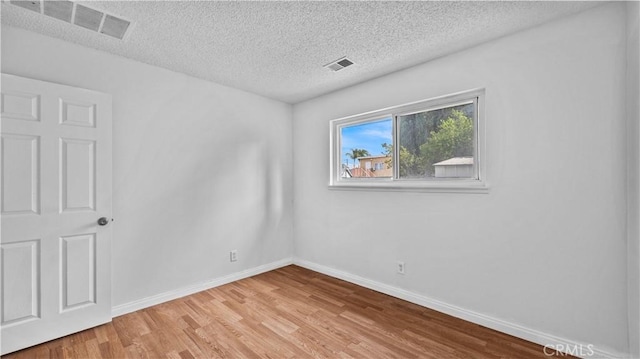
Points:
x=233 y=255
x=400 y=267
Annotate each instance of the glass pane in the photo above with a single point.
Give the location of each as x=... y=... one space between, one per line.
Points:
x=366 y=150
x=437 y=143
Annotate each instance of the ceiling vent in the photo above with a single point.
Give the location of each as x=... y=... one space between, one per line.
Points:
x=80 y=15
x=29 y=5
x=339 y=64
x=88 y=18
x=61 y=10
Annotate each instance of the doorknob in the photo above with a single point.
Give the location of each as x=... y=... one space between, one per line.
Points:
x=103 y=221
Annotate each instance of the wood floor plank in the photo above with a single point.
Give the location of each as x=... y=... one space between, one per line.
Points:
x=290 y=312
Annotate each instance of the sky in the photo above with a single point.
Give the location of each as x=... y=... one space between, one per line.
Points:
x=369 y=136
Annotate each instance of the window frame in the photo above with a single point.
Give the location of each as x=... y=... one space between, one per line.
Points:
x=395 y=183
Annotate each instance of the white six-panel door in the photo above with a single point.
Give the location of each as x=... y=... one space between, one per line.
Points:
x=55 y=185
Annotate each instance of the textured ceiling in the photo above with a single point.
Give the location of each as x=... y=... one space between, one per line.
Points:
x=277 y=49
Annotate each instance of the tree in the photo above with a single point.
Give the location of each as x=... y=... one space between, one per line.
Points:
x=453 y=138
x=432 y=136
x=387 y=150
x=415 y=128
x=450 y=136
x=357 y=153
x=407 y=160
x=414 y=131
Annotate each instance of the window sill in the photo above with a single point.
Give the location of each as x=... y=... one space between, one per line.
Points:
x=412 y=186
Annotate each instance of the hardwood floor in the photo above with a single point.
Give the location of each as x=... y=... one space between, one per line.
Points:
x=286 y=313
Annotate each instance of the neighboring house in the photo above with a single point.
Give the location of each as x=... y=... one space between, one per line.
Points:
x=355 y=172
x=373 y=166
x=359 y=172
x=457 y=167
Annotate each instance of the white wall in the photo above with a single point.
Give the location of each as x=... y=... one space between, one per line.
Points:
x=199 y=169
x=546 y=248
x=633 y=137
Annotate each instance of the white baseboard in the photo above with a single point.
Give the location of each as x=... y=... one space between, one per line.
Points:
x=532 y=335
x=181 y=292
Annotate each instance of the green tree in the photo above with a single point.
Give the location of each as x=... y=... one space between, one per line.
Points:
x=387 y=150
x=414 y=131
x=415 y=128
x=407 y=159
x=453 y=138
x=432 y=136
x=357 y=153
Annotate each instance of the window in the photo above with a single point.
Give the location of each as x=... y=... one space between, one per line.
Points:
x=434 y=144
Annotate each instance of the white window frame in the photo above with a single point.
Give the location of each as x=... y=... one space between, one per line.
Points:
x=462 y=185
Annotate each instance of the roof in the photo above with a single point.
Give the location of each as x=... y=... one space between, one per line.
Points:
x=456 y=161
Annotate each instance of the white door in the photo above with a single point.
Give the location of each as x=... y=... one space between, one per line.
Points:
x=55 y=185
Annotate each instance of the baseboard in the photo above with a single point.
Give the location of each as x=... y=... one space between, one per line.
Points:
x=535 y=336
x=181 y=292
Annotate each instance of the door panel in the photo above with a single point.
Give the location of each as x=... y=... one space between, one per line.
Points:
x=56 y=183
x=78 y=173
x=20 y=167
x=20 y=282
x=21 y=106
x=78 y=271
x=78 y=113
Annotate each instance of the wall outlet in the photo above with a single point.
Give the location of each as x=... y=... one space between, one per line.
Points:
x=400 y=267
x=233 y=255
